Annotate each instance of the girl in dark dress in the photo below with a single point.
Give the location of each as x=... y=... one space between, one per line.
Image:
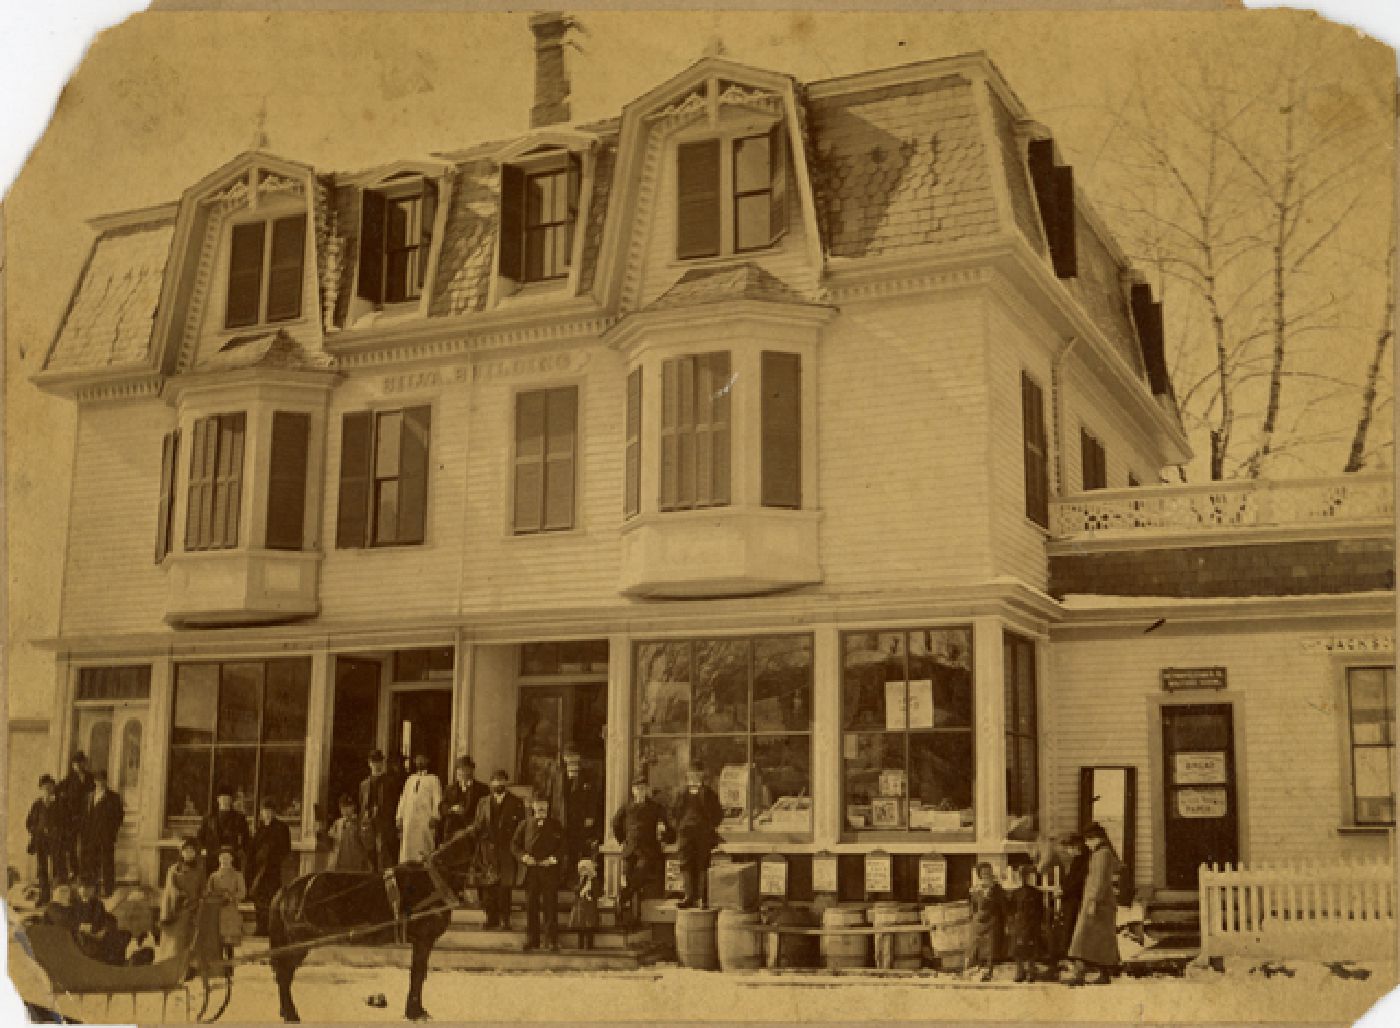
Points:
x=988 y=916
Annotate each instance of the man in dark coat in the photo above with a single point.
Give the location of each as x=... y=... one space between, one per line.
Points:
x=460 y=800
x=640 y=826
x=697 y=815
x=268 y=850
x=97 y=933
x=97 y=834
x=224 y=827
x=1095 y=939
x=72 y=802
x=538 y=844
x=44 y=829
x=1071 y=896
x=379 y=804
x=497 y=816
x=577 y=803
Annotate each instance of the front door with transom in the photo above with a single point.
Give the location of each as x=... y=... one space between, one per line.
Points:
x=1201 y=816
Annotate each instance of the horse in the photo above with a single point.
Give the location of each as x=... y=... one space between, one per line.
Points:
x=411 y=902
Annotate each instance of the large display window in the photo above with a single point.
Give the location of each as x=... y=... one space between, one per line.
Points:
x=743 y=707
x=907 y=746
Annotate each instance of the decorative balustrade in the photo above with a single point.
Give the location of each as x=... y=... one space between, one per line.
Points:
x=1301 y=910
x=1243 y=503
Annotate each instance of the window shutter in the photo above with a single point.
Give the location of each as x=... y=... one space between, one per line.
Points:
x=632 y=498
x=1035 y=456
x=574 y=185
x=372 y=211
x=244 y=274
x=777 y=196
x=1065 y=254
x=228 y=481
x=529 y=460
x=425 y=235
x=670 y=442
x=285 y=269
x=206 y=441
x=165 y=513
x=1094 y=471
x=286 y=484
x=685 y=432
x=512 y=222
x=561 y=421
x=782 y=430
x=413 y=474
x=705 y=385
x=718 y=479
x=352 y=513
x=1054 y=193
x=698 y=199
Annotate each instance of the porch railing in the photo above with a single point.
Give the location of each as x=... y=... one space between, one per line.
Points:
x=1213 y=506
x=1300 y=910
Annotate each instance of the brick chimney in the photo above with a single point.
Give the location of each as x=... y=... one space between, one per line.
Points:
x=551 y=29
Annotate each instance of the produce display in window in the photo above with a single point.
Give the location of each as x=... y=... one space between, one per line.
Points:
x=740 y=706
x=907 y=714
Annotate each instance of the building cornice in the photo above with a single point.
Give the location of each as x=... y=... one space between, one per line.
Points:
x=154 y=215
x=1118 y=612
x=711 y=316
x=106 y=385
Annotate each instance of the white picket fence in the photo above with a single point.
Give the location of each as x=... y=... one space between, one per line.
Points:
x=1301 y=910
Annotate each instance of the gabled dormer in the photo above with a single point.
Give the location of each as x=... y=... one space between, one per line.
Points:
x=712 y=171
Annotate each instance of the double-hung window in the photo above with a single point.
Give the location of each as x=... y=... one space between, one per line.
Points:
x=396 y=230
x=546 y=429
x=695 y=405
x=383 y=477
x=1371 y=744
x=731 y=194
x=215 y=493
x=265 y=271
x=539 y=215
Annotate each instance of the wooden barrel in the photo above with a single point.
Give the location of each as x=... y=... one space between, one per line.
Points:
x=897 y=950
x=740 y=947
x=949 y=923
x=786 y=950
x=844 y=951
x=695 y=938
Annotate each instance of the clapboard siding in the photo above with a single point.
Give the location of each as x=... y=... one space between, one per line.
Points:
x=552 y=569
x=1014 y=347
x=902 y=406
x=399 y=581
x=1125 y=449
x=1291 y=730
x=112 y=582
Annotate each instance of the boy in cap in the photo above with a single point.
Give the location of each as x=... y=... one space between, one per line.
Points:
x=44 y=829
x=697 y=815
x=97 y=838
x=539 y=845
x=640 y=827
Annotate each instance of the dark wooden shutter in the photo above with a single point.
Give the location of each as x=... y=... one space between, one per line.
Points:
x=781 y=434
x=372 y=211
x=352 y=512
x=286 y=483
x=529 y=460
x=1094 y=472
x=425 y=234
x=716 y=485
x=1064 y=254
x=413 y=473
x=698 y=198
x=1147 y=316
x=244 y=274
x=561 y=433
x=574 y=186
x=777 y=197
x=670 y=436
x=284 y=276
x=201 y=484
x=632 y=489
x=165 y=513
x=512 y=242
x=1035 y=455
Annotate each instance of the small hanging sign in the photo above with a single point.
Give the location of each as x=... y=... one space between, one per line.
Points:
x=879 y=872
x=1175 y=679
x=933 y=875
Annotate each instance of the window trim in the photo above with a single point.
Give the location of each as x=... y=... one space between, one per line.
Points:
x=403 y=178
x=1347 y=766
x=556 y=155
x=269 y=221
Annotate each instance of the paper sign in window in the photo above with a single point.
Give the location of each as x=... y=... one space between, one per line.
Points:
x=772 y=878
x=895 y=713
x=1201 y=803
x=824 y=874
x=892 y=782
x=1200 y=768
x=921 y=703
x=933 y=876
x=734 y=786
x=878 y=874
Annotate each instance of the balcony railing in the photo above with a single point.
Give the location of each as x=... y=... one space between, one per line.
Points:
x=1246 y=503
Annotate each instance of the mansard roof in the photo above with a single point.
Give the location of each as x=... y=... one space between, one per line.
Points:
x=746 y=281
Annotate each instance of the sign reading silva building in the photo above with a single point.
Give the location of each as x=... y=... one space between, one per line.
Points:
x=625 y=474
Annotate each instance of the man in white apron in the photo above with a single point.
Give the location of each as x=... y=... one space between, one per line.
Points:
x=417 y=816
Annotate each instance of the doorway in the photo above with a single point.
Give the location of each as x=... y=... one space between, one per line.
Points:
x=354 y=729
x=1201 y=816
x=421 y=722
x=548 y=718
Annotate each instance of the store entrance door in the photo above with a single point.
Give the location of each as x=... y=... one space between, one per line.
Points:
x=1198 y=762
x=421 y=722
x=548 y=718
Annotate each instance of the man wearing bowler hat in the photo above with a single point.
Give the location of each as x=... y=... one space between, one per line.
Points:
x=44 y=834
x=379 y=804
x=498 y=814
x=697 y=815
x=640 y=826
x=97 y=839
x=72 y=803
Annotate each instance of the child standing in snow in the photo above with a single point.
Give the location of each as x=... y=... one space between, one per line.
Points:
x=1026 y=915
x=584 y=918
x=988 y=915
x=227 y=883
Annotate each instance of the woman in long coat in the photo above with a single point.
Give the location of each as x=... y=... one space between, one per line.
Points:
x=1095 y=939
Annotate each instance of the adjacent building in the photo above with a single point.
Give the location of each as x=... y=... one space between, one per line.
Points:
x=808 y=429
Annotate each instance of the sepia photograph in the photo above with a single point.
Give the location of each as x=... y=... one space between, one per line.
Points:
x=704 y=515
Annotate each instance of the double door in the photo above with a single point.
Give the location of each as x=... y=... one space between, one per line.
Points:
x=111 y=736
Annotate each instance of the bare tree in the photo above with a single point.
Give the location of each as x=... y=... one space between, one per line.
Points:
x=1356 y=458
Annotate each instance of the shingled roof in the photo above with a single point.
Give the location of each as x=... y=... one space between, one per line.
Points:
x=745 y=281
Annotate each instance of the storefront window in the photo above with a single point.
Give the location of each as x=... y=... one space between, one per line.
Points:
x=743 y=708
x=241 y=726
x=907 y=730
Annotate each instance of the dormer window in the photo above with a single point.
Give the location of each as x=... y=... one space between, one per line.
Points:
x=731 y=194
x=265 y=271
x=396 y=229
x=539 y=210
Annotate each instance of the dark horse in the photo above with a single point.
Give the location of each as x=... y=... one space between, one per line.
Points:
x=412 y=902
